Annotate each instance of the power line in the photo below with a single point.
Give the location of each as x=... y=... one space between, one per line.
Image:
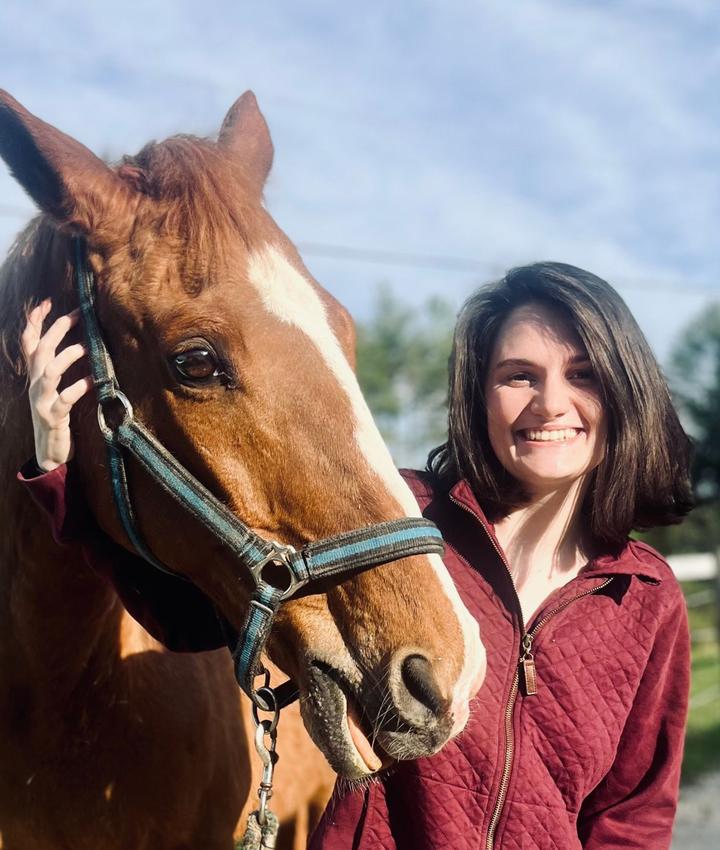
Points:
x=444 y=263
x=397 y=258
x=489 y=270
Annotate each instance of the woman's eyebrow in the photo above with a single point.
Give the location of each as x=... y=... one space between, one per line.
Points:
x=514 y=361
x=521 y=362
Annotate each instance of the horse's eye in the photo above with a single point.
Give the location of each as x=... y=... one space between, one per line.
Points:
x=196 y=365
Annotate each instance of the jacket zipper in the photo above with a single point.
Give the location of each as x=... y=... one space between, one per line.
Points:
x=526 y=667
x=507 y=766
x=526 y=660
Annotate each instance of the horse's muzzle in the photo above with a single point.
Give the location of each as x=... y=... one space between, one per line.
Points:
x=403 y=717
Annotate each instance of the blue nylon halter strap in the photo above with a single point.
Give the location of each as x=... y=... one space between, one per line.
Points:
x=334 y=557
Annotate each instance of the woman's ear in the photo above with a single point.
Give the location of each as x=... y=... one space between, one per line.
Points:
x=63 y=177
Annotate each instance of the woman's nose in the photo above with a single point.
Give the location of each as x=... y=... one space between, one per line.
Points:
x=552 y=399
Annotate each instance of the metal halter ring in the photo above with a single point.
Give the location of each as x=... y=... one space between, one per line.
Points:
x=124 y=401
x=279 y=557
x=264 y=700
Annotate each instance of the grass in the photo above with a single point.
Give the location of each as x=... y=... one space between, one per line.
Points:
x=702 y=741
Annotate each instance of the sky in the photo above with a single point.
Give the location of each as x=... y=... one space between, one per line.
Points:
x=428 y=145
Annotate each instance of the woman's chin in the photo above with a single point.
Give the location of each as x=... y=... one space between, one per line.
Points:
x=544 y=481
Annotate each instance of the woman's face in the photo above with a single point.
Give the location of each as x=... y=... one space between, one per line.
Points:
x=546 y=421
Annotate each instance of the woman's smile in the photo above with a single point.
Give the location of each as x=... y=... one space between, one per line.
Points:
x=546 y=420
x=554 y=437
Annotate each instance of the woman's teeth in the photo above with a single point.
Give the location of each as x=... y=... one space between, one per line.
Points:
x=554 y=436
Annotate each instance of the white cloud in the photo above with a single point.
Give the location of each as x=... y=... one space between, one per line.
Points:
x=507 y=132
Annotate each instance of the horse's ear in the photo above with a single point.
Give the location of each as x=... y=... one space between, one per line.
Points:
x=245 y=134
x=62 y=176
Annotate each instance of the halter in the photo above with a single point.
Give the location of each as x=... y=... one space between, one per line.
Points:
x=334 y=557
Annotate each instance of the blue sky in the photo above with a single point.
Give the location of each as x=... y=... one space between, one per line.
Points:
x=497 y=132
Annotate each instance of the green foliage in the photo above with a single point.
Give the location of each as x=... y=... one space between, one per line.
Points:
x=695 y=377
x=402 y=355
x=702 y=743
x=382 y=353
x=699 y=532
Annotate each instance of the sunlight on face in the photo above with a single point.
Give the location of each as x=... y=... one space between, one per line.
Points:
x=546 y=421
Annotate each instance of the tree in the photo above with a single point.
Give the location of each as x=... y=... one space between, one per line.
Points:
x=402 y=356
x=694 y=375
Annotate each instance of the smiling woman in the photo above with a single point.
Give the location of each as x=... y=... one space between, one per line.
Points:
x=643 y=481
x=562 y=439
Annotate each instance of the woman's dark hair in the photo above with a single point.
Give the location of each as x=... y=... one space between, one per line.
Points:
x=643 y=480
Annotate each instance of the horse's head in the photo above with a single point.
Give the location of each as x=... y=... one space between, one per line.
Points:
x=242 y=366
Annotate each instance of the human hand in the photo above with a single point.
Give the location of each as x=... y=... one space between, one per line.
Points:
x=50 y=409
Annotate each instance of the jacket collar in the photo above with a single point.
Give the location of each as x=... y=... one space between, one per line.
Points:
x=634 y=559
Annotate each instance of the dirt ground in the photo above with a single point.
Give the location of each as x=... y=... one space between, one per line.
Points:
x=698 y=821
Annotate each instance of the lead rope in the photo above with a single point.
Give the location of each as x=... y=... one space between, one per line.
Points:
x=262 y=826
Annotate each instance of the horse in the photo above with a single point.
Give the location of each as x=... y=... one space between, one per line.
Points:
x=108 y=741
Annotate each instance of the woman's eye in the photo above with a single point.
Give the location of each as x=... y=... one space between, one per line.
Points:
x=196 y=364
x=520 y=378
x=582 y=375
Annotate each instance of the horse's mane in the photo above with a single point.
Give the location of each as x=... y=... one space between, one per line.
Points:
x=190 y=193
x=204 y=195
x=22 y=285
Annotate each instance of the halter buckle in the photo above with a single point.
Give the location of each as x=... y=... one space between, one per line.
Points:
x=126 y=414
x=280 y=570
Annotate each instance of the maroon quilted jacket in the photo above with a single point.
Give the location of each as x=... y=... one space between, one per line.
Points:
x=591 y=760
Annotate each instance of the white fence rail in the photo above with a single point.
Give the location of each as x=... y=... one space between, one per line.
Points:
x=696 y=567
x=703 y=566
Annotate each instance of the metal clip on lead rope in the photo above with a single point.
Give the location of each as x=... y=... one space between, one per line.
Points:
x=262 y=828
x=268 y=757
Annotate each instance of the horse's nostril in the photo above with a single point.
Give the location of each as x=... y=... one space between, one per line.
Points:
x=418 y=678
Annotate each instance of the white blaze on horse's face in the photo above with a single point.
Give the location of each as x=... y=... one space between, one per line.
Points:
x=290 y=297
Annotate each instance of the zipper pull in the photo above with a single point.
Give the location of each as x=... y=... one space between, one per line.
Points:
x=528 y=676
